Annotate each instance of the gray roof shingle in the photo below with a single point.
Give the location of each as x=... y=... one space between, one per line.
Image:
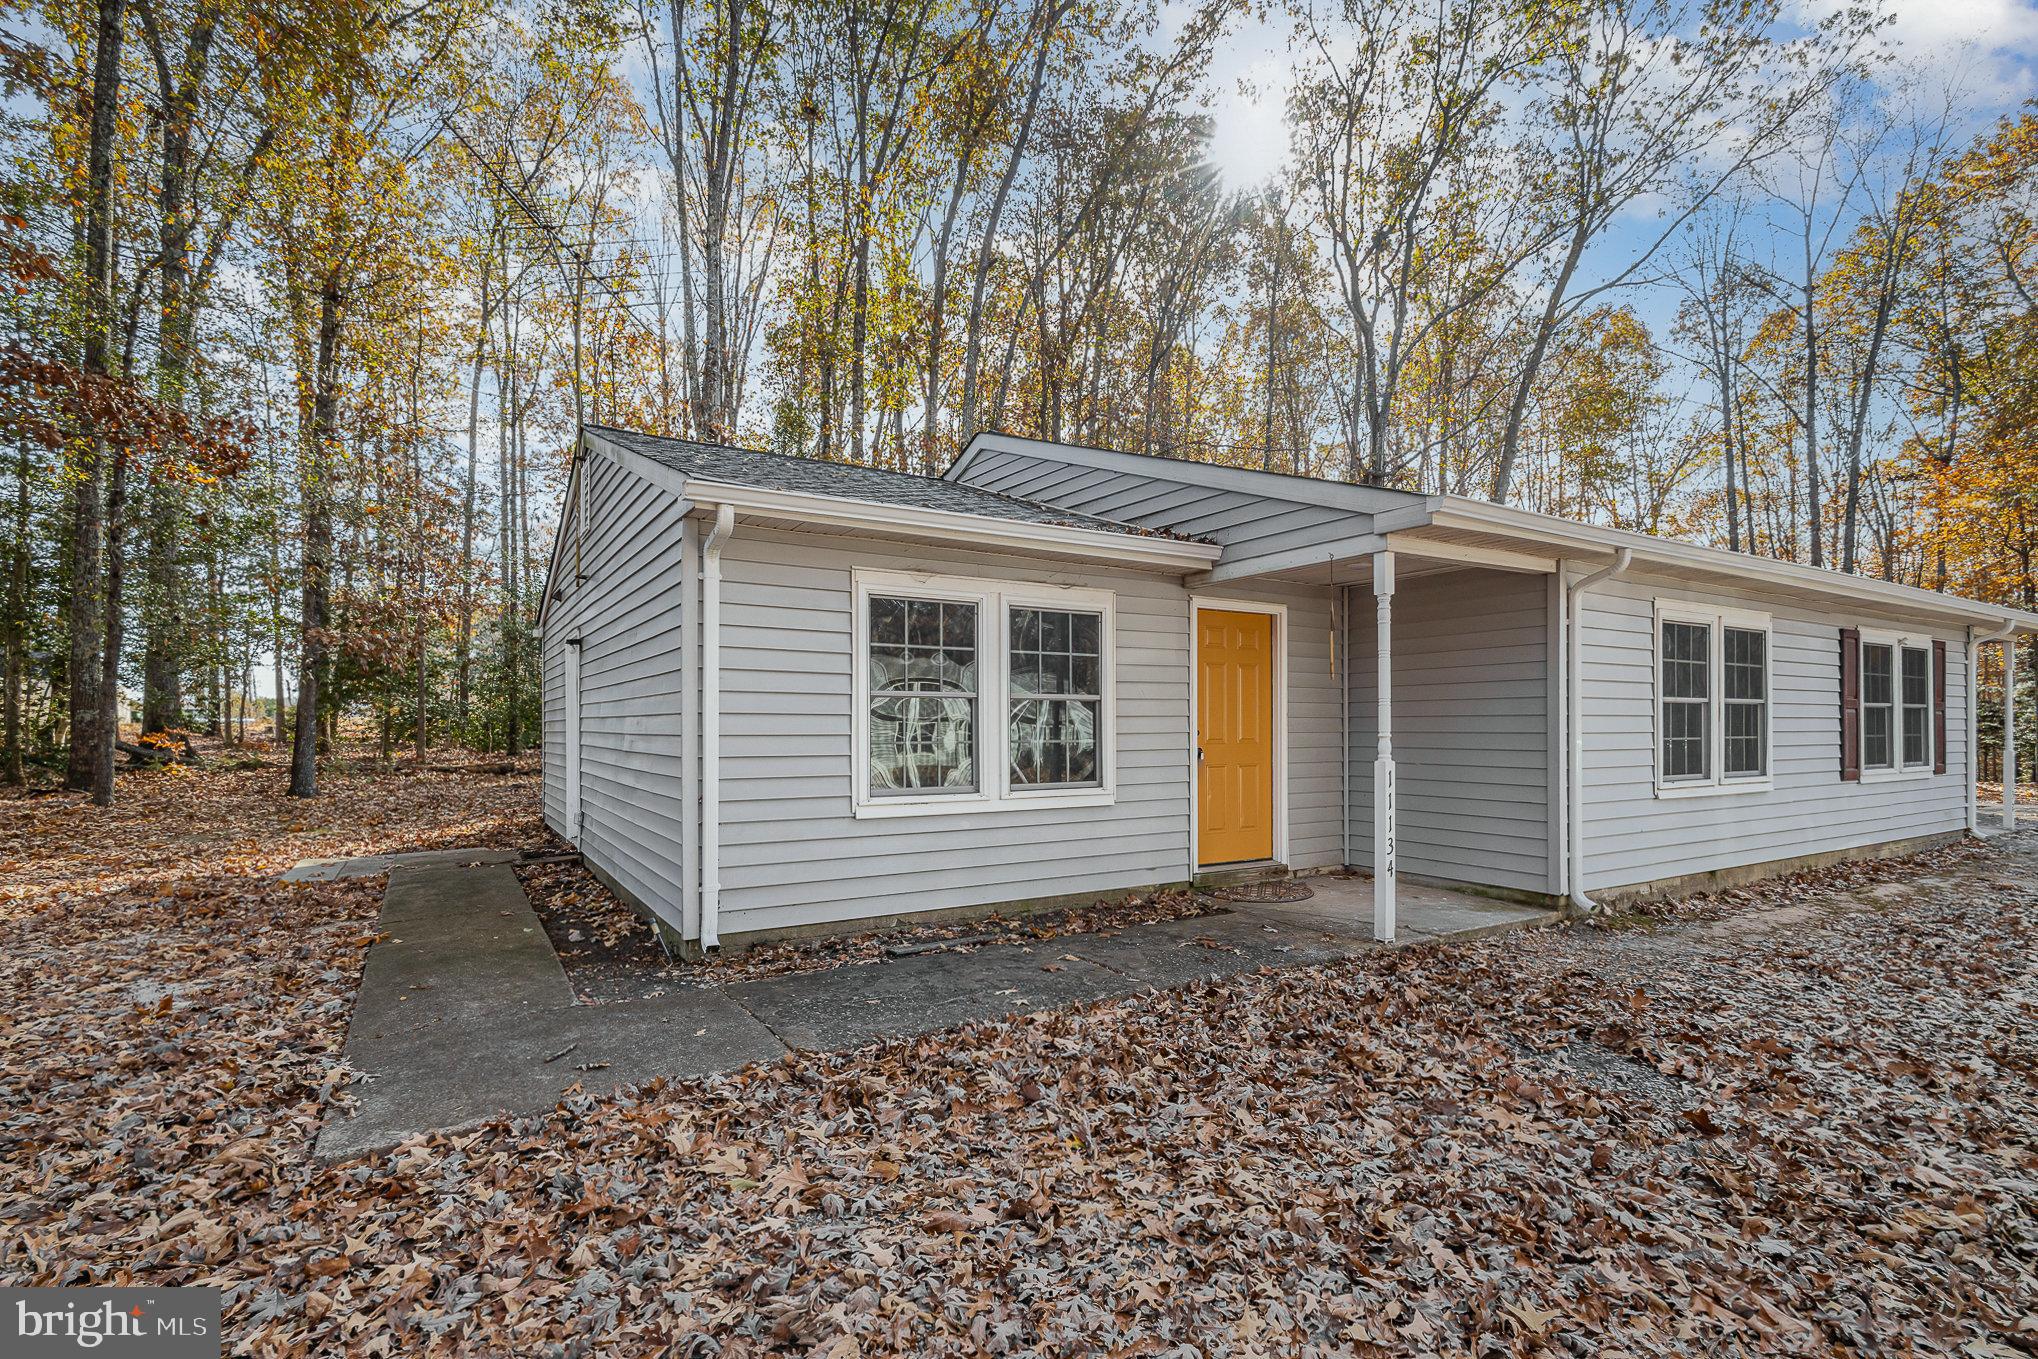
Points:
x=811 y=476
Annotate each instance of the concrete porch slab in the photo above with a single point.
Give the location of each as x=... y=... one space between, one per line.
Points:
x=1422 y=911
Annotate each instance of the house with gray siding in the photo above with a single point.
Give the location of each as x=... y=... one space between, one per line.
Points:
x=787 y=696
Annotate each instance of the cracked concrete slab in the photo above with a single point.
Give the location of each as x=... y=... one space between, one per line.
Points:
x=465 y=1012
x=847 y=1007
x=368 y=866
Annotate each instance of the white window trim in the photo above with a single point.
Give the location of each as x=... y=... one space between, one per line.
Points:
x=1718 y=617
x=1898 y=771
x=994 y=762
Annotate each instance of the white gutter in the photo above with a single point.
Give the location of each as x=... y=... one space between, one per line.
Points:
x=1574 y=719
x=711 y=726
x=1477 y=516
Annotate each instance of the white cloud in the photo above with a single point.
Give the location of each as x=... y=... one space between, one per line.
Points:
x=1981 y=51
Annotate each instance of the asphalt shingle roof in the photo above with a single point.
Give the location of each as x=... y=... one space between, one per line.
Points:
x=811 y=476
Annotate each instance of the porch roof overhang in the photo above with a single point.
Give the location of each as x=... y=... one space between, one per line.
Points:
x=1443 y=533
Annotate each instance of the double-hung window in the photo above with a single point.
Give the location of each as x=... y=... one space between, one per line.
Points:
x=1898 y=721
x=1712 y=700
x=976 y=695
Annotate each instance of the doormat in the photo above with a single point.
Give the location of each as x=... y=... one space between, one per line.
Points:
x=1266 y=893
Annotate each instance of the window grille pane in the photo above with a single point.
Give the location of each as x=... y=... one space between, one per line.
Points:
x=922 y=744
x=1056 y=681
x=922 y=646
x=923 y=687
x=1917 y=676
x=1686 y=660
x=1684 y=740
x=1876 y=685
x=1915 y=746
x=1745 y=657
x=1054 y=741
x=1875 y=736
x=1745 y=738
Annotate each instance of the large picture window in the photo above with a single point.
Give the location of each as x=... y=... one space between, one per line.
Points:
x=1712 y=700
x=978 y=695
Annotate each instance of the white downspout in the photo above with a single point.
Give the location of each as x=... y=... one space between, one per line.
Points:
x=711 y=727
x=1574 y=719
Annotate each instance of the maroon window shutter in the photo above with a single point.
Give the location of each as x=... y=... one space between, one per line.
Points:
x=1938 y=707
x=1850 y=704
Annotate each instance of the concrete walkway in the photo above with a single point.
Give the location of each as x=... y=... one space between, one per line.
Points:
x=465 y=1012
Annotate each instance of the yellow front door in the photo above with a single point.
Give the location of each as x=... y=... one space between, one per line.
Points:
x=1234 y=736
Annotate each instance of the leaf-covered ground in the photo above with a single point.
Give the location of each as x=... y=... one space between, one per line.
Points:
x=1798 y=1126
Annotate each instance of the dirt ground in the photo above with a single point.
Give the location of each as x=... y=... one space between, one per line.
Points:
x=611 y=953
x=1793 y=1120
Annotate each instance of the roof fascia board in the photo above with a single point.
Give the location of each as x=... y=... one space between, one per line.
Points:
x=1463 y=554
x=1504 y=521
x=651 y=470
x=973 y=529
x=573 y=488
x=1273 y=486
x=1294 y=559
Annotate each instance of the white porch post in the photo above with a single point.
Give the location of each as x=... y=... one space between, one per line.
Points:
x=2010 y=732
x=1383 y=761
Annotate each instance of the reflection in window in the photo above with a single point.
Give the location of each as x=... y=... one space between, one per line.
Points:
x=923 y=695
x=1055 y=693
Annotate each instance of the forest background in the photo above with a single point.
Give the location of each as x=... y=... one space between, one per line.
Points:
x=305 y=299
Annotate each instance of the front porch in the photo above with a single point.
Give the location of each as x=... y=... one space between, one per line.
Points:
x=1429 y=734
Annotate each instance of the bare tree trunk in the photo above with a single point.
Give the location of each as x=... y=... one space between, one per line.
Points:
x=1811 y=408
x=87 y=612
x=109 y=654
x=987 y=249
x=318 y=543
x=16 y=638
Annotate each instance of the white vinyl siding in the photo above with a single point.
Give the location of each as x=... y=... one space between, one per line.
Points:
x=1636 y=836
x=1472 y=727
x=633 y=761
x=794 y=851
